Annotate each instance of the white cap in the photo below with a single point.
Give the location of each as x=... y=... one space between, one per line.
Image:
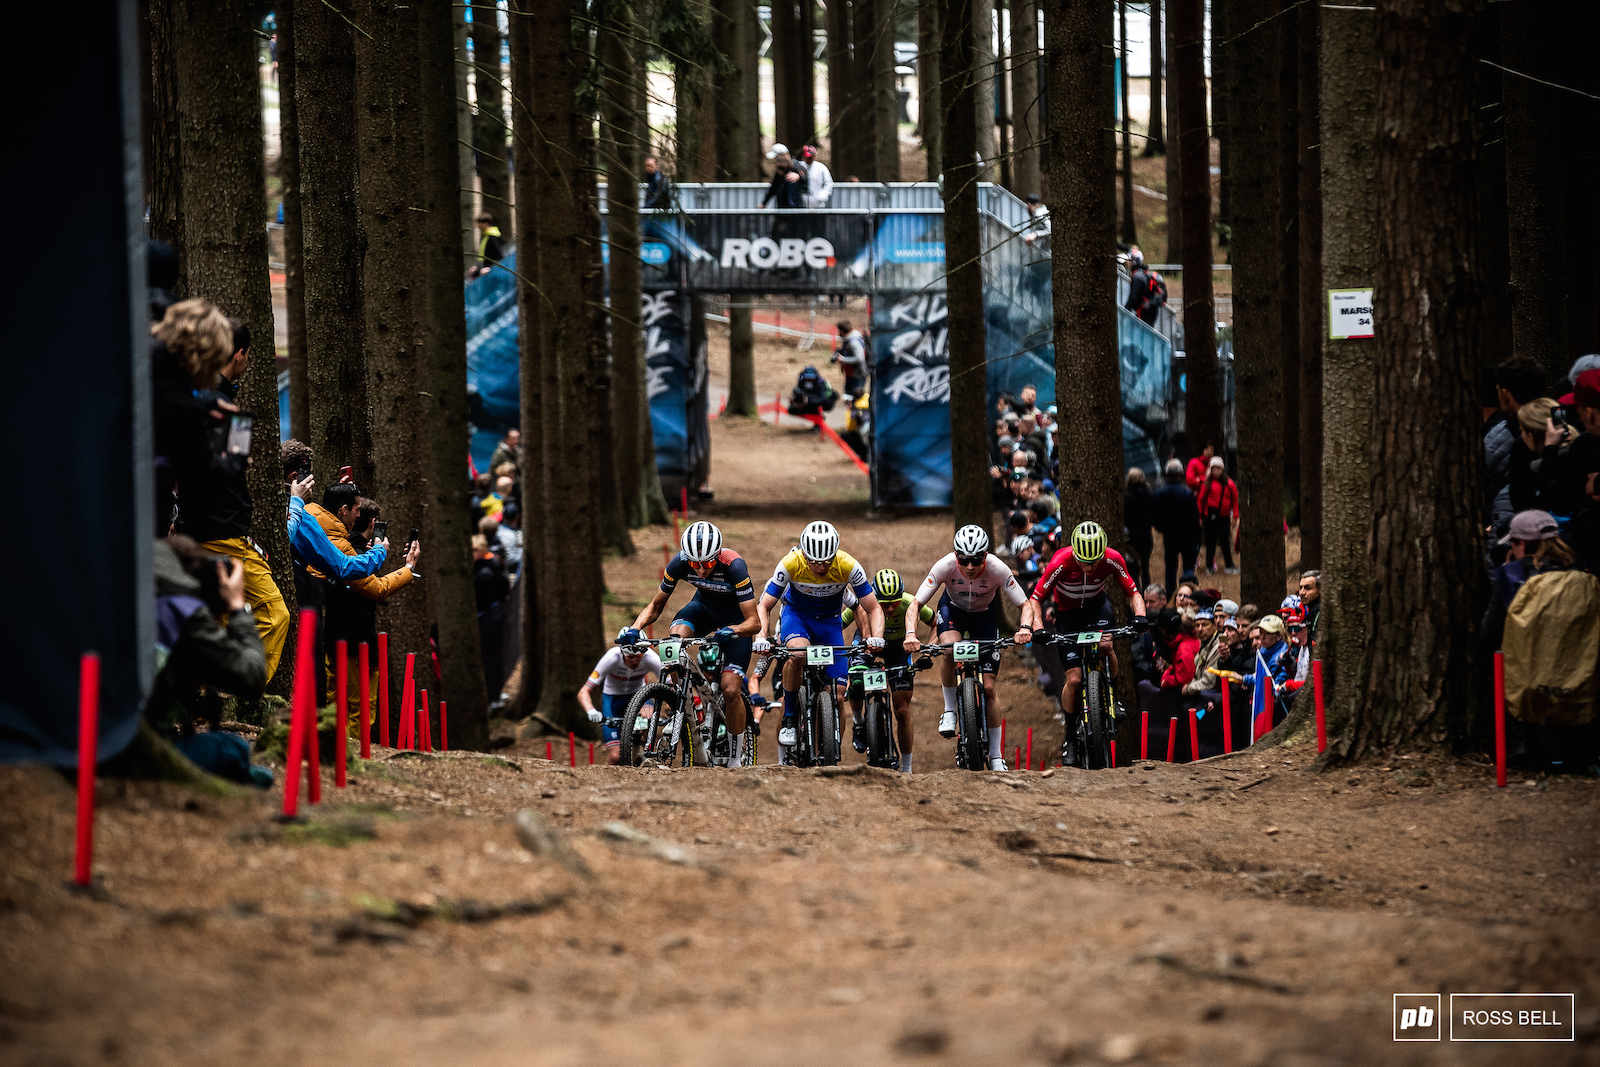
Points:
x=779 y=149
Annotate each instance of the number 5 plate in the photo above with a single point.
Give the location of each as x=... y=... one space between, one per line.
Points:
x=670 y=652
x=965 y=651
x=819 y=654
x=1092 y=638
x=875 y=681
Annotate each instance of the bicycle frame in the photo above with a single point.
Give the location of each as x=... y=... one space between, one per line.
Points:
x=1095 y=661
x=972 y=737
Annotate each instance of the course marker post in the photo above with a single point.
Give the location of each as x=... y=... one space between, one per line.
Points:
x=549 y=752
x=572 y=748
x=1113 y=755
x=341 y=712
x=684 y=490
x=591 y=753
x=1028 y=766
x=302 y=712
x=1194 y=736
x=1322 y=715
x=408 y=706
x=88 y=757
x=363 y=666
x=1500 y=720
x=444 y=727
x=1227 y=715
x=383 y=689
x=1172 y=738
x=1002 y=736
x=1144 y=735
x=424 y=725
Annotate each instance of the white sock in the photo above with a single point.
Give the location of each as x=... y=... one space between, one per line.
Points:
x=905 y=763
x=783 y=755
x=949 y=697
x=994 y=742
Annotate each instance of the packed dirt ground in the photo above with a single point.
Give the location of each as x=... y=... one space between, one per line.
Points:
x=1248 y=910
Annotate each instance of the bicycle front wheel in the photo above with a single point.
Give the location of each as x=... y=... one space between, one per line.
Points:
x=972 y=749
x=634 y=748
x=1094 y=697
x=826 y=726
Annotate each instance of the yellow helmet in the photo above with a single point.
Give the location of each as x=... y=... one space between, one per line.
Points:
x=1089 y=542
x=886 y=583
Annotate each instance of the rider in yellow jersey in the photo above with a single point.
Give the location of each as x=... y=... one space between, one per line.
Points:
x=897 y=606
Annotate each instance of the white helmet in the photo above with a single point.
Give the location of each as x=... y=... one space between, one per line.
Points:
x=701 y=542
x=820 y=542
x=972 y=540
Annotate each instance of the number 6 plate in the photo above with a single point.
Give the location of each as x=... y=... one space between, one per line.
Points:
x=965 y=651
x=875 y=681
x=1089 y=638
x=819 y=655
x=670 y=652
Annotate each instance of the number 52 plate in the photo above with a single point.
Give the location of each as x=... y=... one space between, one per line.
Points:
x=819 y=654
x=965 y=651
x=1092 y=638
x=670 y=652
x=875 y=681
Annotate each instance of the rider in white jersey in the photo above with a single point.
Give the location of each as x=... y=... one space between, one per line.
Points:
x=971 y=577
x=619 y=675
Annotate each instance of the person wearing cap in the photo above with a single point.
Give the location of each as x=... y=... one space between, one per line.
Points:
x=1038 y=224
x=1534 y=546
x=1225 y=609
x=821 y=177
x=1176 y=516
x=1208 y=655
x=1274 y=649
x=1517 y=381
x=1568 y=467
x=1218 y=500
x=789 y=186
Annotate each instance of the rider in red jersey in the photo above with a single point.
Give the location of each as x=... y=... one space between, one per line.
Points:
x=1076 y=580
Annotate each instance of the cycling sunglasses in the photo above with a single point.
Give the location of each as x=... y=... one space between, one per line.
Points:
x=971 y=561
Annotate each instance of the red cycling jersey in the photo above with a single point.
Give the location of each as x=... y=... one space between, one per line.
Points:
x=1072 y=585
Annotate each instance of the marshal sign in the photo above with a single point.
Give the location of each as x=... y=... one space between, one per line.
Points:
x=765 y=253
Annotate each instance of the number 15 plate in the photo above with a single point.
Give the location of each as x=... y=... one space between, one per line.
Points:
x=819 y=654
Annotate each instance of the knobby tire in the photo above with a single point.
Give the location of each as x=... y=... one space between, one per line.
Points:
x=973 y=745
x=665 y=697
x=1094 y=697
x=827 y=728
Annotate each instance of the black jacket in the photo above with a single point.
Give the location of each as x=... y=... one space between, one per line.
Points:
x=785 y=193
x=656 y=193
x=1174 y=513
x=199 y=649
x=1138 y=513
x=214 y=502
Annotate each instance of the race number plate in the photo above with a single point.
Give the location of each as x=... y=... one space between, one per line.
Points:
x=965 y=651
x=671 y=652
x=1092 y=638
x=875 y=681
x=819 y=655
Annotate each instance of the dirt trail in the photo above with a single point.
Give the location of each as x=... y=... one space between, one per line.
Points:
x=1242 y=911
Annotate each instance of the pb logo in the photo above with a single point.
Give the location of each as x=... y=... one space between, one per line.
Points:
x=1417 y=1017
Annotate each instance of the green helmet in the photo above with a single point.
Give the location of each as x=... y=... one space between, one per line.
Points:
x=886 y=583
x=1089 y=543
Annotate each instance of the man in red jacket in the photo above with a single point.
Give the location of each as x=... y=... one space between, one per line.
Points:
x=1218 y=500
x=1195 y=473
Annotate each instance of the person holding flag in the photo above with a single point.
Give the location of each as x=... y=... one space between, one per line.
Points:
x=1274 y=667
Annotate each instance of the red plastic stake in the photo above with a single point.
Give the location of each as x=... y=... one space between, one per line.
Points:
x=1144 y=735
x=366 y=700
x=299 y=704
x=88 y=757
x=1500 y=720
x=383 y=689
x=408 y=705
x=1002 y=735
x=444 y=727
x=549 y=752
x=313 y=742
x=1029 y=765
x=1322 y=715
x=591 y=753
x=572 y=748
x=685 y=498
x=341 y=712
x=1172 y=739
x=424 y=725
x=1194 y=735
x=1113 y=754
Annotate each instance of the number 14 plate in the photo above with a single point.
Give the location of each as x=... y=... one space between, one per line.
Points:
x=875 y=681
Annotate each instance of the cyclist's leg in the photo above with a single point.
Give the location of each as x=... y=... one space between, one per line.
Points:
x=691 y=620
x=947 y=632
x=733 y=673
x=792 y=634
x=895 y=655
x=612 y=707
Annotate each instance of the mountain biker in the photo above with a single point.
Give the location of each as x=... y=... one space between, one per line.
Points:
x=971 y=576
x=897 y=604
x=619 y=675
x=1076 y=581
x=723 y=608
x=811 y=580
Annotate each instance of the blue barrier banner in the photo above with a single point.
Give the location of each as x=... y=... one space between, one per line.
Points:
x=675 y=358
x=910 y=400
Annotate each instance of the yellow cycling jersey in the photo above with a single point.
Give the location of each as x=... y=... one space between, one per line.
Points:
x=818 y=595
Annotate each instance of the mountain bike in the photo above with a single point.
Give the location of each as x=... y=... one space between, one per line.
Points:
x=1093 y=723
x=876 y=687
x=688 y=721
x=817 y=731
x=972 y=702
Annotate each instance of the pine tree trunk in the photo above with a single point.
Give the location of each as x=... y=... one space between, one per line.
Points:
x=166 y=147
x=1025 y=95
x=387 y=114
x=489 y=124
x=969 y=391
x=930 y=114
x=983 y=42
x=465 y=174
x=294 y=254
x=1497 y=333
x=794 y=93
x=1130 y=233
x=1174 y=153
x=695 y=128
x=1257 y=254
x=1425 y=541
x=836 y=20
x=1082 y=160
x=443 y=378
x=1347 y=74
x=1288 y=109
x=218 y=86
x=1002 y=92
x=1156 y=145
x=330 y=222
x=885 y=102
x=738 y=160
x=1221 y=113
x=1311 y=317
x=568 y=562
x=1203 y=402
x=863 y=151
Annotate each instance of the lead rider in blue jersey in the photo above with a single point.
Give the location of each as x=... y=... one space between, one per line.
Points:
x=724 y=608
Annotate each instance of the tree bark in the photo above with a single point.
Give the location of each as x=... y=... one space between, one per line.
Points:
x=218 y=86
x=464 y=180
x=336 y=379
x=695 y=129
x=794 y=91
x=1222 y=116
x=294 y=254
x=983 y=42
x=1496 y=254
x=1347 y=74
x=969 y=390
x=1425 y=538
x=885 y=102
x=929 y=112
x=841 y=82
x=166 y=147
x=1002 y=92
x=1174 y=153
x=387 y=115
x=1203 y=402
x=1130 y=233
x=1257 y=254
x=738 y=160
x=1156 y=145
x=489 y=124
x=1288 y=48
x=1308 y=31
x=443 y=374
x=1025 y=99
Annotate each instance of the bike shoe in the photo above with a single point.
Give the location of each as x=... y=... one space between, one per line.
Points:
x=947 y=724
x=786 y=735
x=858 y=737
x=998 y=763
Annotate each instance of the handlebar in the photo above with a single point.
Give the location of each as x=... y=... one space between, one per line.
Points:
x=1116 y=634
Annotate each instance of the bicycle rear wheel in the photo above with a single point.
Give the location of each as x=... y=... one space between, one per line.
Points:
x=826 y=725
x=972 y=746
x=1094 y=696
x=632 y=750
